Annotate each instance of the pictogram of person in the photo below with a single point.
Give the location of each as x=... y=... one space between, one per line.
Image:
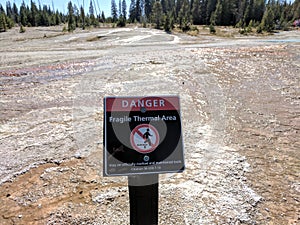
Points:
x=147 y=136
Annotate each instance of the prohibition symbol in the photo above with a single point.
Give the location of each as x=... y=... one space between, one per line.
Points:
x=144 y=138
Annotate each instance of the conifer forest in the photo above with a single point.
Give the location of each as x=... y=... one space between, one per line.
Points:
x=163 y=14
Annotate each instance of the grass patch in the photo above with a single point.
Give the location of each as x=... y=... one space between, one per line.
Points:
x=95 y=38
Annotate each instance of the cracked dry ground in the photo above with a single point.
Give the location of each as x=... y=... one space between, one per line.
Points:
x=240 y=112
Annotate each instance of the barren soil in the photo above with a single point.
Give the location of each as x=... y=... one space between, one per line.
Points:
x=240 y=101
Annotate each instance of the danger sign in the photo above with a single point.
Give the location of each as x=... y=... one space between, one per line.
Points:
x=144 y=138
x=142 y=135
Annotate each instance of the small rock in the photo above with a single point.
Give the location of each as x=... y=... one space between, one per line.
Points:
x=77 y=156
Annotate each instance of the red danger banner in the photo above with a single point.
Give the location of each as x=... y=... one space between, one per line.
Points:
x=136 y=103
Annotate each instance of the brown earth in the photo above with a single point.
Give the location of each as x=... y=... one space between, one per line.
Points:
x=240 y=110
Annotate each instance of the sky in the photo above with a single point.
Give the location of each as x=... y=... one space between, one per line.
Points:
x=61 y=5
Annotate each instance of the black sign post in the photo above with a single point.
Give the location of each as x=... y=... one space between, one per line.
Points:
x=143 y=198
x=142 y=138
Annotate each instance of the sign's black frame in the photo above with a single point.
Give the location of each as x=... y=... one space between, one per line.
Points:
x=120 y=158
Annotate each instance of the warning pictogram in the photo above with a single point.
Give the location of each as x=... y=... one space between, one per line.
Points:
x=144 y=138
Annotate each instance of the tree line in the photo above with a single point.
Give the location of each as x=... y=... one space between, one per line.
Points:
x=33 y=15
x=265 y=15
x=166 y=14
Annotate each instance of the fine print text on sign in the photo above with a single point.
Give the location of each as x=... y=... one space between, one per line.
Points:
x=142 y=135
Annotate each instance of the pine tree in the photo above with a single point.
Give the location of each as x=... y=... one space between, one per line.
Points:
x=196 y=12
x=1 y=9
x=138 y=11
x=120 y=9
x=148 y=8
x=3 y=27
x=33 y=16
x=122 y=20
x=184 y=16
x=15 y=13
x=210 y=8
x=46 y=16
x=258 y=10
x=142 y=5
x=164 y=5
x=103 y=18
x=124 y=9
x=268 y=23
x=114 y=11
x=277 y=10
x=77 y=16
x=286 y=13
x=9 y=12
x=251 y=12
x=71 y=18
x=230 y=12
x=216 y=15
x=57 y=18
x=239 y=19
x=167 y=23
x=23 y=14
x=132 y=11
x=203 y=7
x=93 y=19
x=157 y=14
x=296 y=10
x=8 y=16
x=178 y=7
x=82 y=18
x=91 y=8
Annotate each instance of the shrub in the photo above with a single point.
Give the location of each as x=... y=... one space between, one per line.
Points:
x=64 y=29
x=249 y=29
x=194 y=28
x=242 y=31
x=121 y=22
x=259 y=29
x=186 y=26
x=22 y=29
x=239 y=24
x=212 y=29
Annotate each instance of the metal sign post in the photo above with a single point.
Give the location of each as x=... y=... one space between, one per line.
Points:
x=142 y=138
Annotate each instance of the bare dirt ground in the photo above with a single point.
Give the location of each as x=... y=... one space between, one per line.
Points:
x=240 y=110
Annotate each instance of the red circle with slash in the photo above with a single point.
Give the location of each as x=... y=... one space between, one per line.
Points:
x=144 y=138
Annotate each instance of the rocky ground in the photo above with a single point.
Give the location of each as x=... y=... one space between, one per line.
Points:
x=240 y=110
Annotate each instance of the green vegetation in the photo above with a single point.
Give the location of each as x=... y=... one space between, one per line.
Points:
x=157 y=14
x=247 y=15
x=3 y=27
x=212 y=29
x=22 y=29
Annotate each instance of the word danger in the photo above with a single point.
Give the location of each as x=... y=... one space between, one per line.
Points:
x=128 y=119
x=143 y=103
